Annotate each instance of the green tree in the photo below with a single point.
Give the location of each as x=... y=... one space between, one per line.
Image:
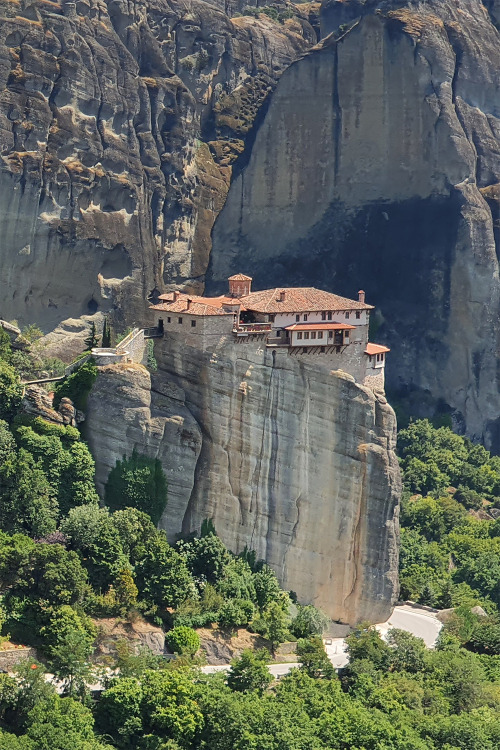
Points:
x=92 y=534
x=106 y=335
x=27 y=499
x=274 y=626
x=183 y=640
x=250 y=672
x=118 y=713
x=161 y=574
x=91 y=341
x=309 y=621
x=68 y=639
x=169 y=707
x=63 y=724
x=5 y=348
x=137 y=482
x=365 y=643
x=267 y=588
x=10 y=391
x=408 y=652
x=314 y=660
x=134 y=528
x=206 y=557
x=77 y=386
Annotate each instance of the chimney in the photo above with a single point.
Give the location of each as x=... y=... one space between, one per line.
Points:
x=176 y=296
x=361 y=296
x=282 y=296
x=188 y=303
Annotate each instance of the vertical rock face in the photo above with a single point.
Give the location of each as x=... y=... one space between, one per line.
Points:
x=295 y=462
x=378 y=164
x=108 y=187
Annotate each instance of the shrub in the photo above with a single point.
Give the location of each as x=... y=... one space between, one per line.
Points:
x=77 y=386
x=183 y=640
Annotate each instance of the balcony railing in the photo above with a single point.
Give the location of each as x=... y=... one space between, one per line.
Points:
x=252 y=328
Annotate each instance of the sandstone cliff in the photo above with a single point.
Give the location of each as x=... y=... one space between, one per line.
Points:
x=294 y=462
x=119 y=122
x=377 y=165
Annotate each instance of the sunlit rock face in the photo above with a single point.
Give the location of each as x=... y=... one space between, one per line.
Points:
x=119 y=124
x=288 y=459
x=377 y=166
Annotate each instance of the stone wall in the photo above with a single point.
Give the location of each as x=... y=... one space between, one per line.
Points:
x=133 y=346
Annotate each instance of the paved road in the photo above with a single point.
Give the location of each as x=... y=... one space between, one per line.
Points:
x=415 y=620
x=277 y=670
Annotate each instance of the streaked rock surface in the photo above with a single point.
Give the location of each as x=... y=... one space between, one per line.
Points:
x=293 y=461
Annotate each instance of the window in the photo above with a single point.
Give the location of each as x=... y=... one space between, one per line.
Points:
x=358 y=315
x=305 y=317
x=320 y=334
x=313 y=334
x=270 y=318
x=306 y=334
x=346 y=335
x=323 y=316
x=378 y=357
x=347 y=316
x=299 y=335
x=193 y=324
x=329 y=316
x=169 y=320
x=179 y=320
x=330 y=334
x=297 y=318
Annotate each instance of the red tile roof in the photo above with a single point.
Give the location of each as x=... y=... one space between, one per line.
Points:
x=299 y=299
x=320 y=327
x=221 y=301
x=195 y=308
x=376 y=349
x=240 y=277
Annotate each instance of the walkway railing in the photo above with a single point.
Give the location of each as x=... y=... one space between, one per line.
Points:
x=252 y=328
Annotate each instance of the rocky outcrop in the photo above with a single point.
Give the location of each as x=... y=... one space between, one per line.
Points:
x=377 y=166
x=119 y=122
x=124 y=412
x=38 y=403
x=288 y=459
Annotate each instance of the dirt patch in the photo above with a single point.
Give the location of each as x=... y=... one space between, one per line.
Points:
x=221 y=645
x=111 y=630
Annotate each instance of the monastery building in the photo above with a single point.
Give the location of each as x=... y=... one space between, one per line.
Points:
x=305 y=322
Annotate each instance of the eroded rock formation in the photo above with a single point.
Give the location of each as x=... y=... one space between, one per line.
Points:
x=377 y=165
x=293 y=461
x=119 y=122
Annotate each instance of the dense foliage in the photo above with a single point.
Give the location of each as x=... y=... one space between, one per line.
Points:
x=450 y=555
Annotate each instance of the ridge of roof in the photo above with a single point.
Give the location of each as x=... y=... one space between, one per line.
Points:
x=195 y=308
x=299 y=299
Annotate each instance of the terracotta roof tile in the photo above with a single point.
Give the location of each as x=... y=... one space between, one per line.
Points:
x=376 y=349
x=320 y=327
x=299 y=299
x=240 y=277
x=195 y=308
